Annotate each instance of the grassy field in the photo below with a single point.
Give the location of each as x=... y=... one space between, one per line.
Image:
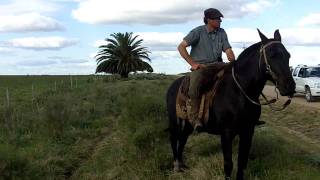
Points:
x=102 y=127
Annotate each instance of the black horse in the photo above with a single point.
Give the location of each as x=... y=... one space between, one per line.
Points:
x=236 y=107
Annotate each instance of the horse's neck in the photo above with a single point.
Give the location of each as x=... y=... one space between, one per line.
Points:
x=249 y=75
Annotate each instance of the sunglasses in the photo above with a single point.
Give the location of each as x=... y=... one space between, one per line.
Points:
x=218 y=19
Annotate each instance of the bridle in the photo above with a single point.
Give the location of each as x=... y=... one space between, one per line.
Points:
x=263 y=56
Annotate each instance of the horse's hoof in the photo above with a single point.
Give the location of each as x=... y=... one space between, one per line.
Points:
x=179 y=167
x=183 y=166
x=177 y=170
x=228 y=178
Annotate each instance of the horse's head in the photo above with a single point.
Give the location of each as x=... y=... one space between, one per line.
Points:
x=275 y=57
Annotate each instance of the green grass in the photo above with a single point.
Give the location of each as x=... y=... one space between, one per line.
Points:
x=109 y=128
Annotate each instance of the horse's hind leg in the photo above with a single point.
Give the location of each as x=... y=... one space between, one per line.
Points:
x=175 y=132
x=182 y=140
x=178 y=141
x=174 y=147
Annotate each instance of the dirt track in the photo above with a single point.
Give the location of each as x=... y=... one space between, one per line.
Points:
x=298 y=98
x=293 y=129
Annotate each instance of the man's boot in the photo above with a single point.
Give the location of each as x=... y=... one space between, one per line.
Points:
x=193 y=112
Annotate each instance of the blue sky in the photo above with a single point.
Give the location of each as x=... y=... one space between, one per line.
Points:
x=62 y=36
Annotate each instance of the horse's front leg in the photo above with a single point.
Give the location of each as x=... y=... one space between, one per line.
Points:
x=226 y=143
x=245 y=139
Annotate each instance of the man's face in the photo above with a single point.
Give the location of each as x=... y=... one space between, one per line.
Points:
x=215 y=23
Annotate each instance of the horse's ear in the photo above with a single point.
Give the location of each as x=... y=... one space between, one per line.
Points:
x=277 y=35
x=262 y=37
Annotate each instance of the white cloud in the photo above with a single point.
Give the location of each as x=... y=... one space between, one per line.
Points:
x=155 y=41
x=98 y=43
x=168 y=62
x=302 y=36
x=311 y=19
x=30 y=15
x=34 y=68
x=41 y=43
x=302 y=43
x=170 y=66
x=257 y=6
x=53 y=65
x=36 y=63
x=242 y=36
x=15 y=7
x=92 y=56
x=67 y=0
x=304 y=55
x=68 y=60
x=4 y=50
x=290 y=36
x=50 y=62
x=28 y=22
x=165 y=55
x=161 y=12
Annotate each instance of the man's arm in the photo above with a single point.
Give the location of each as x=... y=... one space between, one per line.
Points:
x=182 y=48
x=230 y=54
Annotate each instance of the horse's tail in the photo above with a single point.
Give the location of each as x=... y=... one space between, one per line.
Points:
x=171 y=102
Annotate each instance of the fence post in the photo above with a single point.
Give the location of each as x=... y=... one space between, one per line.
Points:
x=71 y=81
x=55 y=85
x=32 y=93
x=8 y=98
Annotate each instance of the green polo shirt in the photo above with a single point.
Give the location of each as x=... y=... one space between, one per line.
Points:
x=207 y=47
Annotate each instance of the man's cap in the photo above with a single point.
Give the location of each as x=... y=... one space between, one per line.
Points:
x=212 y=13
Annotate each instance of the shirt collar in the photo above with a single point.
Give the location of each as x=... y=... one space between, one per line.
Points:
x=211 y=32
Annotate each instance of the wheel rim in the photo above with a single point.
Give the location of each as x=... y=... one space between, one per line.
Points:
x=308 y=95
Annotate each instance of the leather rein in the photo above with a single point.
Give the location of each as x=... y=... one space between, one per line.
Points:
x=273 y=75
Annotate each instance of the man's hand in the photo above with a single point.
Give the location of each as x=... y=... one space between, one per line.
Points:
x=230 y=54
x=196 y=66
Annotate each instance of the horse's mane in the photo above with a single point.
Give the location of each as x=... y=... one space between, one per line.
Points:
x=208 y=82
x=248 y=50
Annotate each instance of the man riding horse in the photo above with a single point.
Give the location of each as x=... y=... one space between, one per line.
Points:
x=207 y=44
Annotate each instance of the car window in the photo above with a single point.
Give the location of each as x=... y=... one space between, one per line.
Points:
x=301 y=72
x=295 y=72
x=313 y=72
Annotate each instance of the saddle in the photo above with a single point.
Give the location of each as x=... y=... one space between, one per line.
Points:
x=208 y=88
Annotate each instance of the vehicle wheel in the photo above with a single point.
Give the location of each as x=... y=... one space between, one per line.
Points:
x=309 y=96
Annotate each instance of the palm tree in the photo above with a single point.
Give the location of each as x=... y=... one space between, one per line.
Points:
x=122 y=54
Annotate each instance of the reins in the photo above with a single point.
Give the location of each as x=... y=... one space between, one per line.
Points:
x=273 y=75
